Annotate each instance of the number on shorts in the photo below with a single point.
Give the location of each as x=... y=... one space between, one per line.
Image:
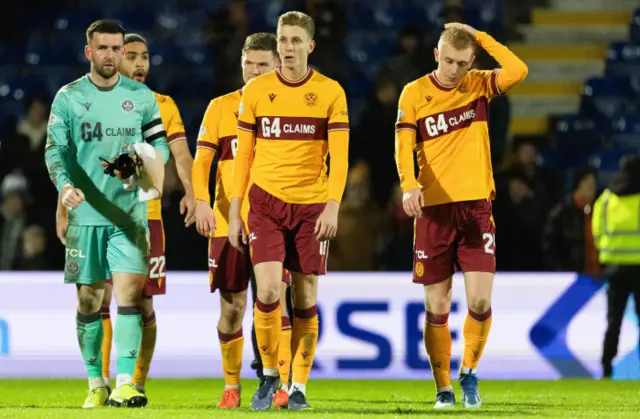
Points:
x=157 y=269
x=324 y=248
x=489 y=244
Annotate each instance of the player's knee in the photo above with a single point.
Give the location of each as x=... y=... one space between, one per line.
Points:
x=479 y=304
x=146 y=306
x=441 y=306
x=89 y=300
x=438 y=303
x=234 y=312
x=268 y=295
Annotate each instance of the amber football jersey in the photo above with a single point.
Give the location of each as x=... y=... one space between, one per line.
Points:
x=292 y=123
x=451 y=130
x=175 y=132
x=218 y=133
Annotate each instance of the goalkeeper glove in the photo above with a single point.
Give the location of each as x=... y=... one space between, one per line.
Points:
x=124 y=165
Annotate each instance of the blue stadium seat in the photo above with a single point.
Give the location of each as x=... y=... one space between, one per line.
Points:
x=606 y=160
x=159 y=5
x=362 y=16
x=634 y=28
x=626 y=135
x=623 y=59
x=483 y=14
x=604 y=96
x=10 y=54
x=574 y=133
x=74 y=21
x=134 y=21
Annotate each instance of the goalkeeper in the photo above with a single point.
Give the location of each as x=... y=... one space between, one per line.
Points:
x=101 y=129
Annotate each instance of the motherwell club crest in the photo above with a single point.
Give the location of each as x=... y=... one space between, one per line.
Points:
x=311 y=99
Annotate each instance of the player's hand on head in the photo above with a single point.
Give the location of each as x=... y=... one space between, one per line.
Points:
x=188 y=206
x=204 y=219
x=462 y=26
x=412 y=202
x=327 y=223
x=71 y=197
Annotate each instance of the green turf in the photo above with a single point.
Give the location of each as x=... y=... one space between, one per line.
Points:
x=335 y=399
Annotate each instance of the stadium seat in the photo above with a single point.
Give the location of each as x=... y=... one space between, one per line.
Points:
x=607 y=163
x=626 y=135
x=74 y=21
x=134 y=21
x=604 y=96
x=10 y=54
x=574 y=132
x=623 y=59
x=634 y=28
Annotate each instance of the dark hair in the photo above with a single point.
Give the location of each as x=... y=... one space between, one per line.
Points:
x=580 y=173
x=261 y=41
x=104 y=26
x=134 y=37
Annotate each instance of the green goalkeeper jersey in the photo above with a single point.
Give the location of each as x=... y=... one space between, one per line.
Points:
x=88 y=122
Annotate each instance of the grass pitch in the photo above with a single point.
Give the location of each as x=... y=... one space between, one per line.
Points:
x=190 y=399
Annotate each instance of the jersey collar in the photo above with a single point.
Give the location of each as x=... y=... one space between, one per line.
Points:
x=434 y=80
x=291 y=83
x=104 y=89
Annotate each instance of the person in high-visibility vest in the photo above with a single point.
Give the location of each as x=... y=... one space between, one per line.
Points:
x=616 y=231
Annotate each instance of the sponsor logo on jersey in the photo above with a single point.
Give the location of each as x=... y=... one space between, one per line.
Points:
x=121 y=132
x=127 y=105
x=202 y=131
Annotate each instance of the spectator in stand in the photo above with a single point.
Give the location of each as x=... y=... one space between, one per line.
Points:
x=567 y=242
x=540 y=179
x=13 y=219
x=331 y=29
x=412 y=60
x=34 y=246
x=397 y=253
x=518 y=216
x=357 y=244
x=371 y=139
x=23 y=149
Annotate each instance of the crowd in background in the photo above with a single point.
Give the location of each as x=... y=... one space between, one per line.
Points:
x=541 y=225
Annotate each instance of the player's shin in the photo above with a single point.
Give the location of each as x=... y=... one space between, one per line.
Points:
x=284 y=352
x=476 y=331
x=437 y=341
x=128 y=337
x=107 y=339
x=143 y=363
x=89 y=332
x=267 y=325
x=304 y=339
x=231 y=346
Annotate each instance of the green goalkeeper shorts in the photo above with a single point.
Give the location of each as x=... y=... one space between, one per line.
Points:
x=94 y=252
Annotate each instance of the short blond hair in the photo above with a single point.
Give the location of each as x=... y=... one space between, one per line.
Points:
x=299 y=19
x=457 y=38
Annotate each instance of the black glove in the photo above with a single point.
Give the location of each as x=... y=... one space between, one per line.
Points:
x=123 y=166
